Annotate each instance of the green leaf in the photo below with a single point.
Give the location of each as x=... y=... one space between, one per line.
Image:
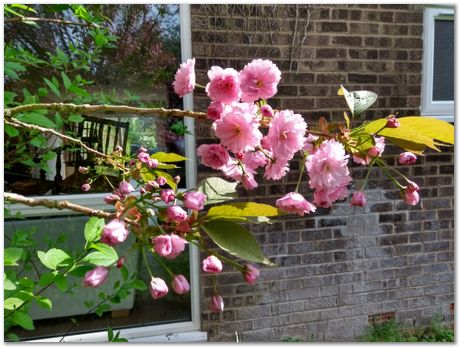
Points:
x=235 y=240
x=244 y=209
x=46 y=279
x=80 y=271
x=79 y=91
x=37 y=119
x=44 y=302
x=66 y=80
x=8 y=283
x=61 y=282
x=54 y=89
x=102 y=308
x=167 y=157
x=42 y=92
x=24 y=320
x=8 y=97
x=38 y=141
x=12 y=303
x=124 y=273
x=54 y=258
x=430 y=127
x=23 y=7
x=93 y=229
x=11 y=255
x=75 y=118
x=217 y=190
x=13 y=337
x=138 y=284
x=105 y=256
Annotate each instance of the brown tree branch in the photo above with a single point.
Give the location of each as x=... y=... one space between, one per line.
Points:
x=60 y=205
x=48 y=20
x=87 y=108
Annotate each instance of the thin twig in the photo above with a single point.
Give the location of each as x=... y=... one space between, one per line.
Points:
x=60 y=205
x=87 y=108
x=49 y=20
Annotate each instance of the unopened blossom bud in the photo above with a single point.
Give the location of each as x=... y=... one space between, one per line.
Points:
x=96 y=277
x=152 y=163
x=132 y=162
x=125 y=188
x=114 y=233
x=118 y=148
x=407 y=158
x=217 y=304
x=158 y=288
x=121 y=261
x=143 y=157
x=180 y=284
x=111 y=199
x=194 y=200
x=176 y=213
x=266 y=111
x=211 y=264
x=142 y=149
x=167 y=195
x=177 y=179
x=162 y=245
x=142 y=191
x=412 y=186
x=248 y=181
x=161 y=180
x=85 y=187
x=392 y=122
x=183 y=227
x=411 y=197
x=83 y=170
x=177 y=246
x=151 y=185
x=358 y=199
x=251 y=274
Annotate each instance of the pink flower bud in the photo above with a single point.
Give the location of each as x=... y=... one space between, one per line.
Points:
x=118 y=148
x=142 y=149
x=176 y=213
x=183 y=227
x=412 y=186
x=125 y=188
x=151 y=186
x=358 y=199
x=217 y=304
x=407 y=158
x=212 y=264
x=111 y=199
x=152 y=163
x=215 y=110
x=142 y=191
x=266 y=111
x=114 y=232
x=158 y=288
x=85 y=187
x=411 y=197
x=162 y=245
x=392 y=122
x=177 y=246
x=143 y=157
x=249 y=182
x=121 y=261
x=177 y=179
x=96 y=277
x=83 y=170
x=180 y=284
x=378 y=148
x=161 y=180
x=194 y=200
x=251 y=274
x=167 y=195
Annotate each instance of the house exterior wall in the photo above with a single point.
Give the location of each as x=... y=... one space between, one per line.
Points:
x=337 y=266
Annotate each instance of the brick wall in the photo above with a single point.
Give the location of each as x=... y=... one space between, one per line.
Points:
x=338 y=266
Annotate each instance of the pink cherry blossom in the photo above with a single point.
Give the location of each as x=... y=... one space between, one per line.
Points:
x=325 y=197
x=266 y=111
x=412 y=186
x=378 y=148
x=259 y=80
x=114 y=233
x=152 y=163
x=238 y=128
x=194 y=200
x=224 y=85
x=177 y=246
x=411 y=197
x=85 y=187
x=287 y=133
x=143 y=157
x=184 y=81
x=250 y=274
x=151 y=185
x=309 y=144
x=125 y=188
x=255 y=159
x=215 y=110
x=232 y=169
x=180 y=284
x=392 y=122
x=294 y=202
x=276 y=168
x=111 y=199
x=211 y=264
x=176 y=213
x=162 y=245
x=167 y=195
x=96 y=277
x=249 y=182
x=407 y=158
x=217 y=304
x=158 y=288
x=213 y=155
x=358 y=199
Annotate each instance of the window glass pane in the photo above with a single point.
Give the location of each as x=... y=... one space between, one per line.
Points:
x=137 y=309
x=443 y=69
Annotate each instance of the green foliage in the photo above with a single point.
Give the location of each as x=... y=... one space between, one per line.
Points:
x=244 y=209
x=54 y=258
x=179 y=128
x=393 y=331
x=217 y=190
x=236 y=240
x=93 y=229
x=167 y=157
x=104 y=256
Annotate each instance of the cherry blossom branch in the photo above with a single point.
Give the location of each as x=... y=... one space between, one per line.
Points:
x=49 y=20
x=87 y=108
x=19 y=124
x=60 y=205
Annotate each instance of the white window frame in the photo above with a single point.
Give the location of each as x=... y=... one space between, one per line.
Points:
x=443 y=110
x=187 y=331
